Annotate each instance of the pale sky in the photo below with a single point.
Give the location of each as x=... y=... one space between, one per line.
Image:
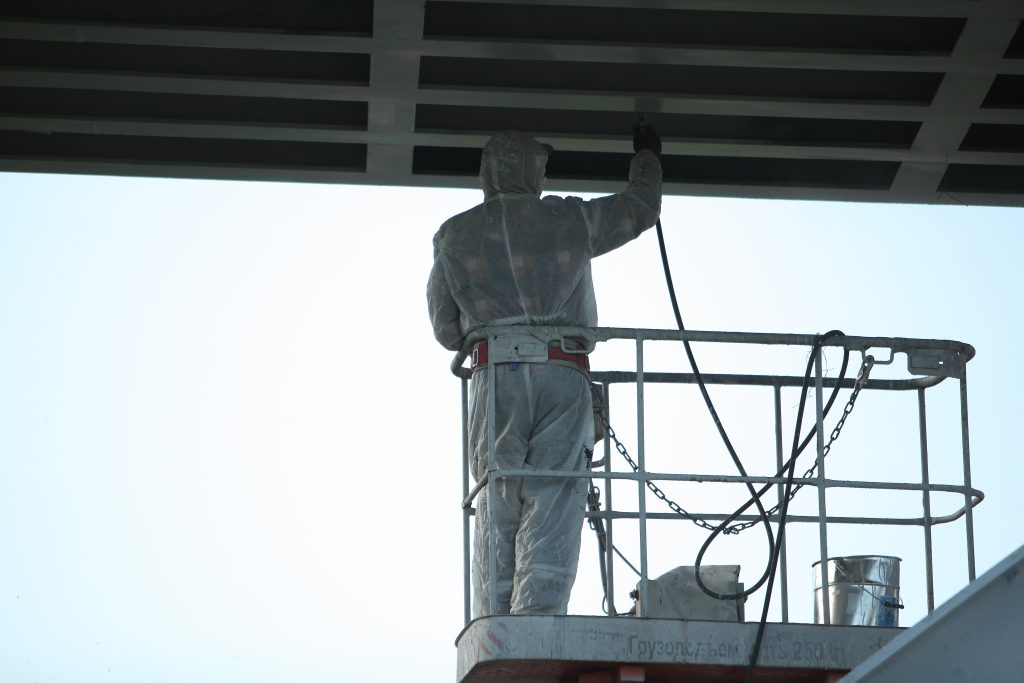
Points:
x=229 y=445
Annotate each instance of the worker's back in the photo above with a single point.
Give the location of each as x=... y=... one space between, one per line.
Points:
x=517 y=258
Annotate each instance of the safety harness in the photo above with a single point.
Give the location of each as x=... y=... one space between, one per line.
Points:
x=515 y=349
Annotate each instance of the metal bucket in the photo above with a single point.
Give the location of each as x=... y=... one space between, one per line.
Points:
x=863 y=590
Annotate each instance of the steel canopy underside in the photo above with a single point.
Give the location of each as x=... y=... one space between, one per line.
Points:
x=918 y=101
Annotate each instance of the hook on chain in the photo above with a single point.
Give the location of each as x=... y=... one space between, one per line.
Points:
x=865 y=371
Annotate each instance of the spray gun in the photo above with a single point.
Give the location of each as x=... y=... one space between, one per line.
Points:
x=644 y=135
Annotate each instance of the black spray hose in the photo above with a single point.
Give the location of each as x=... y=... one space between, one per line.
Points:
x=754 y=497
x=774 y=544
x=784 y=507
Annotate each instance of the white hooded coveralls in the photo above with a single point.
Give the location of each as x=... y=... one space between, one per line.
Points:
x=518 y=259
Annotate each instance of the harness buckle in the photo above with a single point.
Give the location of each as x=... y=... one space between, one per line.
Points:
x=517 y=349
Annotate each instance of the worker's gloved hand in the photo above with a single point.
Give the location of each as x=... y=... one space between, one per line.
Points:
x=645 y=137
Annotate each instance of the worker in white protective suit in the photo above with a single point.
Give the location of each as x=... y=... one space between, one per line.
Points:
x=519 y=259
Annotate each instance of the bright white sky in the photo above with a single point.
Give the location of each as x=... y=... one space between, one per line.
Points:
x=229 y=445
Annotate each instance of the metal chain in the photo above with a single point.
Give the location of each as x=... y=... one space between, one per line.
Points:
x=862 y=378
x=650 y=484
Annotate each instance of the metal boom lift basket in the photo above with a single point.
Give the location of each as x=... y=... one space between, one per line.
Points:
x=590 y=649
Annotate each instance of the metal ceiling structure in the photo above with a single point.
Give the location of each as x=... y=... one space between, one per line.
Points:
x=916 y=101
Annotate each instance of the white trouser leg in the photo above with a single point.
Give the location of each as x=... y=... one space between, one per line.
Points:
x=544 y=421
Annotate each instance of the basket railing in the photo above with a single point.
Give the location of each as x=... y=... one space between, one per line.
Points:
x=929 y=363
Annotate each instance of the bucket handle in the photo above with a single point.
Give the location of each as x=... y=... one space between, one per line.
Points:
x=887 y=603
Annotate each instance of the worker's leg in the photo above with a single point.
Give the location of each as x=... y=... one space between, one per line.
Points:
x=506 y=526
x=512 y=429
x=548 y=542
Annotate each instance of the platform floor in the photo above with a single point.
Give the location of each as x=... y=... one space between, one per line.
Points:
x=513 y=649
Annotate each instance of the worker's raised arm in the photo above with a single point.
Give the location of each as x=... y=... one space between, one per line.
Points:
x=616 y=219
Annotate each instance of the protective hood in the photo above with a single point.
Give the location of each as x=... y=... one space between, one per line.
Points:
x=513 y=162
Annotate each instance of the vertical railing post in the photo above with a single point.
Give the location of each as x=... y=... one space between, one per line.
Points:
x=926 y=500
x=466 y=580
x=492 y=403
x=609 y=552
x=642 y=471
x=968 y=500
x=822 y=533
x=784 y=584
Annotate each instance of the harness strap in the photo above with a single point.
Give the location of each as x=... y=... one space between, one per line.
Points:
x=580 y=361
